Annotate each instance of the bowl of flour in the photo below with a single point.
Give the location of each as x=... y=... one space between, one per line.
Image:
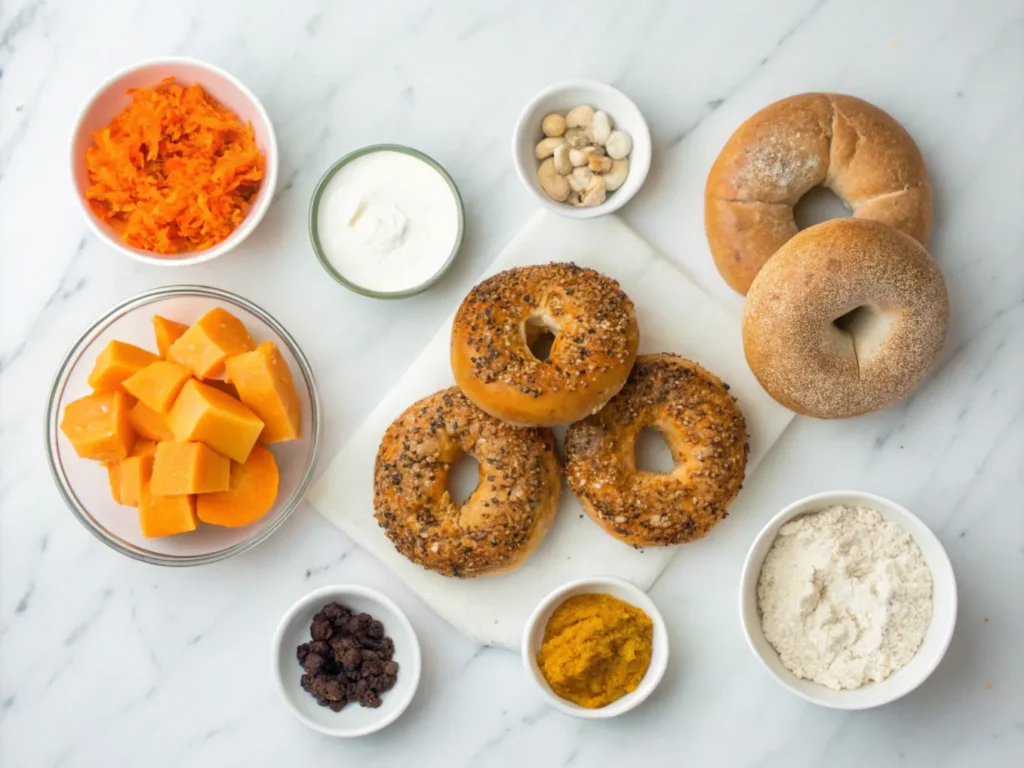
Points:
x=848 y=599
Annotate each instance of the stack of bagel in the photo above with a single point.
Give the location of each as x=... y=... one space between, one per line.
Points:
x=511 y=389
x=848 y=316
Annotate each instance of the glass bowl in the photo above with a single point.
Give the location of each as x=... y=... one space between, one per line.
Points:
x=314 y=213
x=83 y=483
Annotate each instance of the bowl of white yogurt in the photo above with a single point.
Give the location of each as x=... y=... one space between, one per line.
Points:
x=848 y=599
x=386 y=221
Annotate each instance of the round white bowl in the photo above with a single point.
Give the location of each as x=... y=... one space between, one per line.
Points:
x=353 y=720
x=111 y=98
x=533 y=636
x=83 y=484
x=561 y=97
x=936 y=640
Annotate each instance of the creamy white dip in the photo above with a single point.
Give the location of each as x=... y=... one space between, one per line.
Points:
x=387 y=221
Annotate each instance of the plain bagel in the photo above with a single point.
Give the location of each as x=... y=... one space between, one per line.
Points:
x=773 y=159
x=593 y=331
x=846 y=318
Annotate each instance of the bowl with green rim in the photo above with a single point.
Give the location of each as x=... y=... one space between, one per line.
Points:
x=314 y=223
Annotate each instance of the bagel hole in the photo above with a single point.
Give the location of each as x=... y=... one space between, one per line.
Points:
x=818 y=205
x=653 y=453
x=540 y=336
x=866 y=326
x=463 y=479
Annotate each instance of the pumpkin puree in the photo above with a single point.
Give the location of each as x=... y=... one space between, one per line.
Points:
x=596 y=649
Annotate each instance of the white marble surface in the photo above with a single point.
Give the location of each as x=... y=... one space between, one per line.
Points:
x=108 y=662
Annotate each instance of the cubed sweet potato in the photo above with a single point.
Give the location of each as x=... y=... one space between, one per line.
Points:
x=209 y=416
x=99 y=427
x=116 y=363
x=150 y=424
x=135 y=471
x=183 y=468
x=166 y=515
x=213 y=338
x=158 y=384
x=265 y=384
x=166 y=332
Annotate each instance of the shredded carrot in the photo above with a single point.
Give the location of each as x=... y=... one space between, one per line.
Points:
x=176 y=171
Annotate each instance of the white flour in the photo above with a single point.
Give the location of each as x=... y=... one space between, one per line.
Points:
x=845 y=597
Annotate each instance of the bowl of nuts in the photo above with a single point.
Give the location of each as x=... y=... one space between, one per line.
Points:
x=582 y=148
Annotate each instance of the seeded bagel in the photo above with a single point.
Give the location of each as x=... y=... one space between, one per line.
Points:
x=501 y=523
x=703 y=428
x=595 y=341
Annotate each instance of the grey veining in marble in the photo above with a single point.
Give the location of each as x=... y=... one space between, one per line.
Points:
x=108 y=662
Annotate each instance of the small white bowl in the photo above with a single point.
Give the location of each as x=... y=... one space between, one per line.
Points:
x=111 y=98
x=533 y=636
x=354 y=720
x=936 y=640
x=561 y=97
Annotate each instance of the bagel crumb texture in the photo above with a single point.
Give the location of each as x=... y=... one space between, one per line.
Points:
x=704 y=429
x=504 y=518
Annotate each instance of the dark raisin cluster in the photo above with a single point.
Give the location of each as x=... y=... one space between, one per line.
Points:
x=349 y=659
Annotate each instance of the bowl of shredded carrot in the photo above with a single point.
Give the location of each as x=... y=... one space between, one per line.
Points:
x=174 y=161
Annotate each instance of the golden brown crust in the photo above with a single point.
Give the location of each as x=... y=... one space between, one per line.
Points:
x=848 y=145
x=815 y=367
x=503 y=520
x=705 y=431
x=593 y=350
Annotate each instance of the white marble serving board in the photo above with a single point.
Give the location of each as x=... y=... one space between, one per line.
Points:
x=674 y=316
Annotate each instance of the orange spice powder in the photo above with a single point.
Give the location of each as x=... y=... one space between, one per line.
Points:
x=176 y=171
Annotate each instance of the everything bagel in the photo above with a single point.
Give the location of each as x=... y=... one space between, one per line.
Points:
x=502 y=521
x=595 y=332
x=705 y=431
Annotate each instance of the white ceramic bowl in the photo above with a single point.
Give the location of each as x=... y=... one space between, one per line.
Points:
x=83 y=484
x=561 y=97
x=936 y=640
x=111 y=98
x=533 y=636
x=353 y=720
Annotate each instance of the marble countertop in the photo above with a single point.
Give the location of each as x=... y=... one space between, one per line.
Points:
x=108 y=662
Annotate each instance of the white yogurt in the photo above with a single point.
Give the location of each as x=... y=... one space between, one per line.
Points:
x=387 y=221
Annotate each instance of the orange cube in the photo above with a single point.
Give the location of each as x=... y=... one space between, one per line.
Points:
x=157 y=384
x=167 y=332
x=165 y=515
x=250 y=496
x=98 y=426
x=213 y=338
x=143 y=448
x=183 y=468
x=135 y=472
x=150 y=424
x=114 y=476
x=116 y=363
x=265 y=384
x=209 y=416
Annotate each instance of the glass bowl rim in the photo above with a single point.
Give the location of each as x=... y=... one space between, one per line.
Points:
x=60 y=381
x=314 y=210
